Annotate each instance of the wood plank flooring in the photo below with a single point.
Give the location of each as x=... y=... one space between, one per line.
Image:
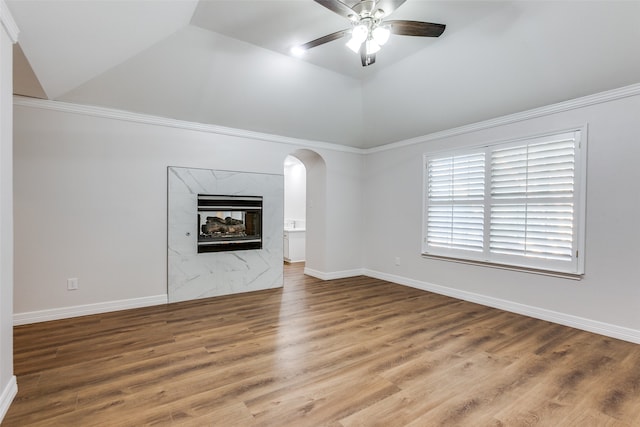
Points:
x=352 y=352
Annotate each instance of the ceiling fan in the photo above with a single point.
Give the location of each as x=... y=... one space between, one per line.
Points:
x=369 y=31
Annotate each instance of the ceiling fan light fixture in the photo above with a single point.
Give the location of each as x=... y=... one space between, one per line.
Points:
x=359 y=34
x=371 y=47
x=381 y=35
x=368 y=30
x=354 y=45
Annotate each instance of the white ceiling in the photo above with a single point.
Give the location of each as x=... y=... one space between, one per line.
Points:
x=226 y=62
x=280 y=25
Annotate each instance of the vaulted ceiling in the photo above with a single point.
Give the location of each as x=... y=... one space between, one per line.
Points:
x=227 y=62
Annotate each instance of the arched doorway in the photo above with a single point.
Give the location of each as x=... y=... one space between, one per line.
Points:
x=314 y=168
x=295 y=216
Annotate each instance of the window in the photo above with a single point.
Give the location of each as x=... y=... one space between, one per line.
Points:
x=518 y=204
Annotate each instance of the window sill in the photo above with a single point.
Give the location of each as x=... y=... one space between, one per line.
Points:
x=572 y=276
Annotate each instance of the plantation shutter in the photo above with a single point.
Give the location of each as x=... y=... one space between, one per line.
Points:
x=518 y=204
x=532 y=189
x=455 y=214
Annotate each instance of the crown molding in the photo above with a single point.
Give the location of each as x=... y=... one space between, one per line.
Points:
x=115 y=114
x=110 y=113
x=585 y=101
x=8 y=23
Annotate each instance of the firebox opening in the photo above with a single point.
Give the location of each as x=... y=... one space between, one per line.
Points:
x=229 y=223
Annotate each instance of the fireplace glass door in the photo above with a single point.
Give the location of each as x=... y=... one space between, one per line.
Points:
x=229 y=223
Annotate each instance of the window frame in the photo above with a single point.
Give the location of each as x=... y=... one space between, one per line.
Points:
x=573 y=268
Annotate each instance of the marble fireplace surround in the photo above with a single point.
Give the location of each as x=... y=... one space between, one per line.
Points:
x=192 y=275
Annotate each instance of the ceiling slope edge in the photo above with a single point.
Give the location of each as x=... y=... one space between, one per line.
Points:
x=111 y=113
x=8 y=22
x=585 y=101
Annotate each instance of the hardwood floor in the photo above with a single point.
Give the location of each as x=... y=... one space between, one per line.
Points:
x=352 y=352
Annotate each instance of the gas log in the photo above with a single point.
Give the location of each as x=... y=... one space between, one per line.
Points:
x=225 y=226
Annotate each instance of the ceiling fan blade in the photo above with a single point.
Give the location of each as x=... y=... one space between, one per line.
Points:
x=336 y=6
x=388 y=6
x=366 y=59
x=324 y=39
x=415 y=28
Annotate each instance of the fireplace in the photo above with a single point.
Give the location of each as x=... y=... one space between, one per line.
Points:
x=229 y=223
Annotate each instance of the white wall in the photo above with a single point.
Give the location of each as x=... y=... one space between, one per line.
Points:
x=91 y=203
x=608 y=297
x=295 y=189
x=8 y=36
x=345 y=213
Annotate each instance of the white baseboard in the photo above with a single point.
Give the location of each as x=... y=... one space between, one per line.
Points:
x=8 y=394
x=84 y=310
x=334 y=274
x=614 y=331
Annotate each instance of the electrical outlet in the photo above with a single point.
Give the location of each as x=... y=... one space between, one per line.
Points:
x=72 y=284
x=397 y=260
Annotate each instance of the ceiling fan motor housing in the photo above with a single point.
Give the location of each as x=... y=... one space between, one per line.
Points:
x=366 y=8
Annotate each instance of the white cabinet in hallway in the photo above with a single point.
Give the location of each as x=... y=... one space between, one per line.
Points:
x=294 y=243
